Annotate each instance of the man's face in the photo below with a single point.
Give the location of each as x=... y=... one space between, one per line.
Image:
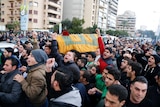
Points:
x=6 y=54
x=151 y=61
x=104 y=73
x=109 y=80
x=112 y=101
x=8 y=66
x=20 y=48
x=31 y=60
x=69 y=56
x=47 y=50
x=90 y=58
x=138 y=92
x=124 y=63
x=81 y=76
x=129 y=71
x=93 y=70
x=106 y=54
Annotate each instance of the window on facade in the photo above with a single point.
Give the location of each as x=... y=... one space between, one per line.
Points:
x=30 y=20
x=2 y=20
x=35 y=20
x=30 y=11
x=35 y=12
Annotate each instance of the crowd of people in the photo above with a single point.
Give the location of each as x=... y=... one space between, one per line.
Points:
x=119 y=73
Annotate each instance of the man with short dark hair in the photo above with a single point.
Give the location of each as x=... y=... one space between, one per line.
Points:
x=10 y=90
x=65 y=95
x=116 y=96
x=138 y=90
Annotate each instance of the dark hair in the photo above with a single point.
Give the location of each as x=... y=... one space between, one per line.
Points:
x=86 y=75
x=141 y=79
x=128 y=60
x=9 y=49
x=97 y=68
x=64 y=77
x=14 y=61
x=137 y=67
x=119 y=91
x=28 y=51
x=109 y=48
x=92 y=54
x=49 y=46
x=83 y=60
x=115 y=72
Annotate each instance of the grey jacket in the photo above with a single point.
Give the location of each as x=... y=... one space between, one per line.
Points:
x=72 y=98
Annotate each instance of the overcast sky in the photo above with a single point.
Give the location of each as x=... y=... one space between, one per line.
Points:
x=147 y=12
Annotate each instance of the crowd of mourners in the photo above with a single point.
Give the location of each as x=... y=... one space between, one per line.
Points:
x=120 y=73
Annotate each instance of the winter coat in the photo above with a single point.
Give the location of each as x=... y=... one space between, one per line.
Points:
x=10 y=91
x=70 y=99
x=35 y=86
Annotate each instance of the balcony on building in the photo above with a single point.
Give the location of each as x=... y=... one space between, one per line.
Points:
x=54 y=4
x=11 y=0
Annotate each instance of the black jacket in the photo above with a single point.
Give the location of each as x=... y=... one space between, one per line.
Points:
x=10 y=91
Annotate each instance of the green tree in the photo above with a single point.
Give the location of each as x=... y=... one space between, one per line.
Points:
x=117 y=33
x=76 y=26
x=66 y=24
x=56 y=28
x=10 y=26
x=91 y=30
x=16 y=25
x=13 y=26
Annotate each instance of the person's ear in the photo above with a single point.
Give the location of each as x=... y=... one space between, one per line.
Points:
x=117 y=82
x=14 y=67
x=122 y=103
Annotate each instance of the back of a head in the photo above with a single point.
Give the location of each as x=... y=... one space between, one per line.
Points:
x=86 y=75
x=64 y=77
x=118 y=90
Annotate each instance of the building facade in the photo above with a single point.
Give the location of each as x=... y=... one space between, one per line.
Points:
x=127 y=22
x=93 y=12
x=42 y=14
x=112 y=14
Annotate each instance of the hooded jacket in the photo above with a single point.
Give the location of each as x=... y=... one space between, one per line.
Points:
x=70 y=99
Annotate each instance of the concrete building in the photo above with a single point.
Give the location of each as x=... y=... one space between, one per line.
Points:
x=42 y=14
x=102 y=14
x=93 y=12
x=112 y=14
x=126 y=22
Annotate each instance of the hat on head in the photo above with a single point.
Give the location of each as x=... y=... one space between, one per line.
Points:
x=156 y=57
x=39 y=55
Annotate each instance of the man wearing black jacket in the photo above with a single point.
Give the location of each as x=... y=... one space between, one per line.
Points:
x=138 y=90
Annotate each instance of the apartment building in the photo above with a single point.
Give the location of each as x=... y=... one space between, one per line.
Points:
x=42 y=14
x=102 y=14
x=126 y=22
x=92 y=11
x=112 y=14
